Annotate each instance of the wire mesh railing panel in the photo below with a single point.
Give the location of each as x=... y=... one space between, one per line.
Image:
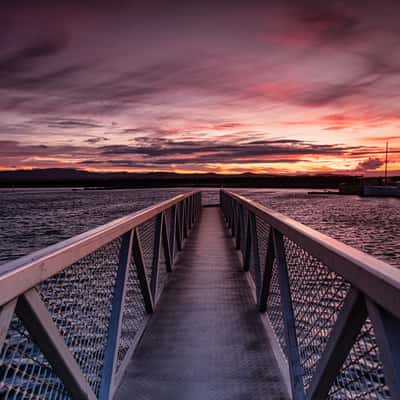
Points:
x=362 y=375
x=79 y=299
x=244 y=228
x=25 y=372
x=133 y=313
x=263 y=231
x=317 y=297
x=274 y=308
x=147 y=232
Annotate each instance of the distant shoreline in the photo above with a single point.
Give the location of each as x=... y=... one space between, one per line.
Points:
x=55 y=178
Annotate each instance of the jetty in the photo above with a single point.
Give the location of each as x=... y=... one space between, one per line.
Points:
x=188 y=300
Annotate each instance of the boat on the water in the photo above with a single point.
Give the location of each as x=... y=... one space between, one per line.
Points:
x=373 y=187
x=385 y=190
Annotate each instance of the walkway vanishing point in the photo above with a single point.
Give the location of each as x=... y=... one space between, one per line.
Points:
x=178 y=301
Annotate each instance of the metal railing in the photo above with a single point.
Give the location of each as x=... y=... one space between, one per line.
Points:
x=72 y=314
x=333 y=310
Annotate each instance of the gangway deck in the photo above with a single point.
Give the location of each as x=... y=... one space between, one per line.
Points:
x=207 y=340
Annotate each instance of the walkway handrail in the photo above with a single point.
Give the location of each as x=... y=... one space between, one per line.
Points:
x=72 y=313
x=334 y=310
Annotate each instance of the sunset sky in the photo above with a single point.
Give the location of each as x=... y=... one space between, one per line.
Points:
x=269 y=87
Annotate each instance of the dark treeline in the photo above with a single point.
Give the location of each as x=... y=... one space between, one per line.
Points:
x=79 y=178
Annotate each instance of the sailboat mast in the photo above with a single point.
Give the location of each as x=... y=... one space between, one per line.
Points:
x=386 y=161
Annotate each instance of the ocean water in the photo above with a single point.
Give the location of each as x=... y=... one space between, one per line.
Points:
x=31 y=219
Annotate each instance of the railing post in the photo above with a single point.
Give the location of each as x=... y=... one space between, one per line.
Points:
x=156 y=257
x=233 y=227
x=295 y=369
x=239 y=226
x=178 y=227
x=165 y=242
x=387 y=332
x=189 y=213
x=114 y=327
x=172 y=228
x=247 y=247
x=184 y=219
x=255 y=253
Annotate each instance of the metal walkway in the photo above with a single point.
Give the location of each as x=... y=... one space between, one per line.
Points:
x=163 y=304
x=207 y=340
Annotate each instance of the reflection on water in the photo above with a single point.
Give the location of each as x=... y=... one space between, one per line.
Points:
x=32 y=219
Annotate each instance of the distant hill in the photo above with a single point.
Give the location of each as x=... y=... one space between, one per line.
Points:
x=59 y=177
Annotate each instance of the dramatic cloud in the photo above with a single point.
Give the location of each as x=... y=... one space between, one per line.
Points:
x=199 y=86
x=369 y=164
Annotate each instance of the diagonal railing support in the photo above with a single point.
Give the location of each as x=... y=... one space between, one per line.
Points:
x=114 y=327
x=37 y=320
x=137 y=254
x=165 y=243
x=343 y=335
x=387 y=328
x=295 y=369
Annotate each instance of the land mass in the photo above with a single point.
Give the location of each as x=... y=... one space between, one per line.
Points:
x=59 y=177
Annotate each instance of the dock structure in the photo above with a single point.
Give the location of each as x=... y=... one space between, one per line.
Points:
x=179 y=301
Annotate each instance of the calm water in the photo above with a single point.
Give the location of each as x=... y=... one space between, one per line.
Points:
x=31 y=219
